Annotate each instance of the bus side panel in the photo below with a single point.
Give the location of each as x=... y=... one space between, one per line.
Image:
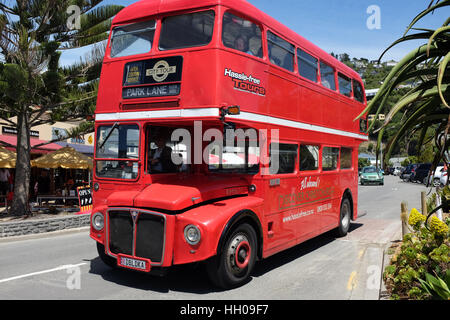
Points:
x=283 y=99
x=249 y=94
x=280 y=206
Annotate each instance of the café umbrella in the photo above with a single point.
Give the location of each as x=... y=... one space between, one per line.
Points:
x=7 y=158
x=66 y=158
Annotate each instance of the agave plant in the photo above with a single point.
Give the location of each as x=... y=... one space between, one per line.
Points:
x=426 y=105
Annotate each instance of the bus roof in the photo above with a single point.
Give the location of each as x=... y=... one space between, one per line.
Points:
x=147 y=8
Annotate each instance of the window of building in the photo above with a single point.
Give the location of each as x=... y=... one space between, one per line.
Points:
x=283 y=158
x=242 y=35
x=132 y=39
x=346 y=158
x=307 y=65
x=59 y=134
x=281 y=52
x=188 y=30
x=358 y=91
x=309 y=158
x=345 y=85
x=330 y=157
x=327 y=76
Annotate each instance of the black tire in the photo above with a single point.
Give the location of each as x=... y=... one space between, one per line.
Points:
x=344 y=218
x=234 y=264
x=109 y=261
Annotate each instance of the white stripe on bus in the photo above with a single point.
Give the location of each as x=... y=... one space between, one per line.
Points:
x=215 y=112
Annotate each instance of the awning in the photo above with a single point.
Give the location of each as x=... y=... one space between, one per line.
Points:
x=66 y=158
x=81 y=148
x=7 y=158
x=10 y=142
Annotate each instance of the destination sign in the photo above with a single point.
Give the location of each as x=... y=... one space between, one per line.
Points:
x=153 y=71
x=151 y=91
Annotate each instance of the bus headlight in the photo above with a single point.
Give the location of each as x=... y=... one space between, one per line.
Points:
x=98 y=221
x=192 y=234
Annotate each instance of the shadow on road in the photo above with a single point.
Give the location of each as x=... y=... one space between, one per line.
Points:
x=192 y=278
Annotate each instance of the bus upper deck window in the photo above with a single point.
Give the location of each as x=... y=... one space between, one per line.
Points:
x=327 y=76
x=242 y=35
x=345 y=85
x=281 y=52
x=188 y=30
x=132 y=39
x=307 y=65
x=358 y=91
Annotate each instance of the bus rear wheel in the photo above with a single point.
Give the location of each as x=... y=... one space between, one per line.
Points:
x=344 y=218
x=234 y=264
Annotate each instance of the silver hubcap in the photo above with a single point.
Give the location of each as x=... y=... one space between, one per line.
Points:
x=345 y=216
x=237 y=254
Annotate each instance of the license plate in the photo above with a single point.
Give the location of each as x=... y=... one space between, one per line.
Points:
x=132 y=263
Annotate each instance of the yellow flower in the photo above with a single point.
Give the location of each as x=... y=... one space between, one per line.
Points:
x=416 y=218
x=438 y=227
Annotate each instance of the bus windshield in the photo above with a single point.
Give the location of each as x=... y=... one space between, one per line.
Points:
x=188 y=30
x=117 y=142
x=132 y=39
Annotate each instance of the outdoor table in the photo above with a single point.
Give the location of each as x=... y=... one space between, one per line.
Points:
x=64 y=198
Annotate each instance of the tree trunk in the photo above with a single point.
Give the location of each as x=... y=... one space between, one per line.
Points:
x=20 y=205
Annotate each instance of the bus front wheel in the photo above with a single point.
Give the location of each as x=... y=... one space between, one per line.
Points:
x=109 y=261
x=234 y=264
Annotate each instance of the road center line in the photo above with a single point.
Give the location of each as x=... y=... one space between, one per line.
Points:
x=64 y=267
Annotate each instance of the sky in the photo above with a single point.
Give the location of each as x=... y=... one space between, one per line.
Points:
x=340 y=26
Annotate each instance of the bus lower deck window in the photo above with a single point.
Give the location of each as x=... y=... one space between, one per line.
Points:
x=309 y=158
x=346 y=158
x=330 y=157
x=283 y=158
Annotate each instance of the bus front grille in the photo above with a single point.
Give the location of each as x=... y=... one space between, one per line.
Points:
x=142 y=237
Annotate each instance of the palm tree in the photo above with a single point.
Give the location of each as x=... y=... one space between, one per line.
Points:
x=34 y=88
x=425 y=106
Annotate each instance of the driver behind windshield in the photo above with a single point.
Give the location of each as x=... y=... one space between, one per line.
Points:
x=160 y=159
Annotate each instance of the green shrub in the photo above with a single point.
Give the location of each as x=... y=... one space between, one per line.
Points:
x=424 y=252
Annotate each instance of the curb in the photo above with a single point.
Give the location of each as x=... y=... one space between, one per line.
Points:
x=384 y=295
x=35 y=227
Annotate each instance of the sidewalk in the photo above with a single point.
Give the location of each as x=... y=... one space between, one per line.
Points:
x=39 y=226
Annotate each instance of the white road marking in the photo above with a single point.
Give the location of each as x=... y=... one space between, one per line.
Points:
x=44 y=271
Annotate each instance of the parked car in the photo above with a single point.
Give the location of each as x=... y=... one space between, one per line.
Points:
x=398 y=171
x=421 y=173
x=409 y=170
x=371 y=175
x=444 y=178
x=435 y=179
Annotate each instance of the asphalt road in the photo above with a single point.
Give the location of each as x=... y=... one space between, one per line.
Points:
x=66 y=266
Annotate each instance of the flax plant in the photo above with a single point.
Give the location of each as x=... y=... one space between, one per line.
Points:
x=426 y=105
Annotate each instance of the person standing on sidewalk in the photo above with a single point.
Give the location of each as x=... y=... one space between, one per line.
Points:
x=4 y=181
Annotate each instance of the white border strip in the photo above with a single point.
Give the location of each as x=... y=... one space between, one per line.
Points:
x=180 y=113
x=215 y=112
x=294 y=124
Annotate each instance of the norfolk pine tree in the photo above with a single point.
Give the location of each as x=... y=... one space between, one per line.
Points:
x=34 y=88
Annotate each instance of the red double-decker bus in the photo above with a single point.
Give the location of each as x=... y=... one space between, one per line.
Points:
x=176 y=70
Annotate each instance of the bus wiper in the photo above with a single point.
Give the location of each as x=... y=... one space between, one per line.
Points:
x=114 y=127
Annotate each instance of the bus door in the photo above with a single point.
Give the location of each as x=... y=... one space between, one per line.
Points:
x=329 y=208
x=309 y=188
x=281 y=206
